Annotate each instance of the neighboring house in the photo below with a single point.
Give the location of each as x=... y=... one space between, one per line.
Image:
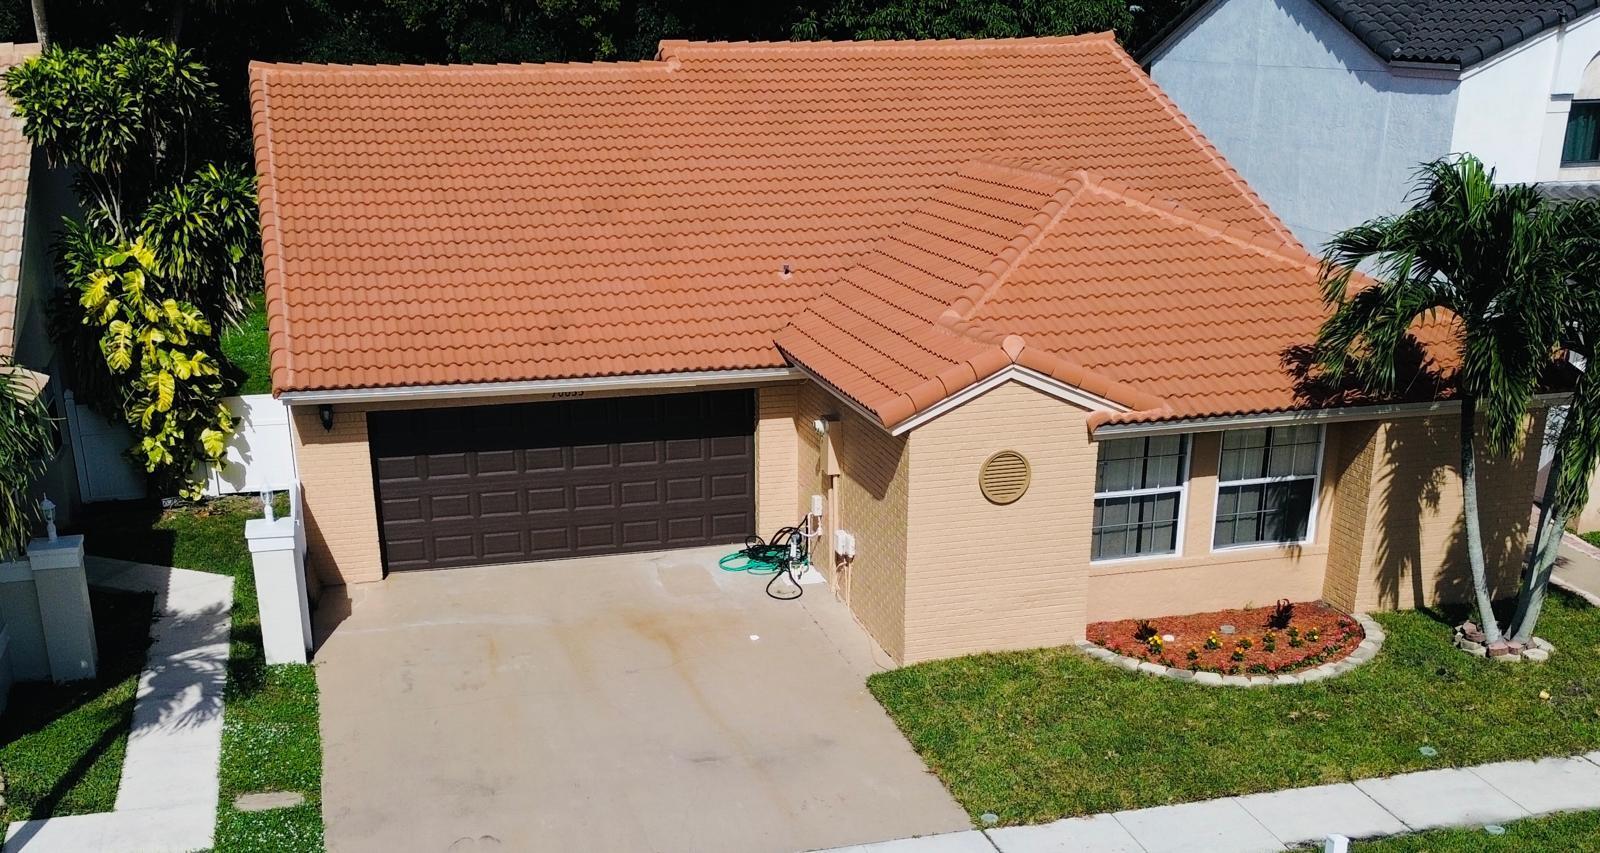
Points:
x=997 y=303
x=32 y=198
x=1327 y=107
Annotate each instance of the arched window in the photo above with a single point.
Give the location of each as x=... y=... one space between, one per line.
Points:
x=1582 y=144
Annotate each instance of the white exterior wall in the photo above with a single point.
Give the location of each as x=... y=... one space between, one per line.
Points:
x=1319 y=126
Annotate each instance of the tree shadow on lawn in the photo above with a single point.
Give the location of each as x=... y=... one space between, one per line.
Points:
x=122 y=635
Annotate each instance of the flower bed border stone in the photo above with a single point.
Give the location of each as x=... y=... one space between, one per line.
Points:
x=1363 y=652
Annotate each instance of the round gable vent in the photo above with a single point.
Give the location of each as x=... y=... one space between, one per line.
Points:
x=1004 y=477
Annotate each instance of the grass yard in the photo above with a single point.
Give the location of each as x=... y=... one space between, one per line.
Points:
x=246 y=347
x=1038 y=735
x=270 y=740
x=1577 y=832
x=62 y=745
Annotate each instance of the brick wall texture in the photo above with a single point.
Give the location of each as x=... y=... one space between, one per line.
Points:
x=985 y=577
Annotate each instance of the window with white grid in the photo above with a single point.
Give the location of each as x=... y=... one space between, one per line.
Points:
x=1267 y=485
x=1138 y=496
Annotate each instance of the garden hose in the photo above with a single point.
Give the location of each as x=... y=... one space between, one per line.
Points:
x=776 y=557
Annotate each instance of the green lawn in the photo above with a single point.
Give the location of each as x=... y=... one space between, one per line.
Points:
x=270 y=740
x=1592 y=537
x=246 y=347
x=1577 y=832
x=1037 y=735
x=62 y=745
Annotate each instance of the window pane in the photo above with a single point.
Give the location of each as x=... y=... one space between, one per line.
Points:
x=1135 y=526
x=1261 y=513
x=1118 y=468
x=1164 y=462
x=1582 y=144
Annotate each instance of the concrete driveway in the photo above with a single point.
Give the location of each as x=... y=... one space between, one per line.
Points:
x=642 y=702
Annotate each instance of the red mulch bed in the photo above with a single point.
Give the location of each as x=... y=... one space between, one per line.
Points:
x=1316 y=634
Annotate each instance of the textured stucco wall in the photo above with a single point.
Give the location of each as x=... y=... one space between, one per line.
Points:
x=1412 y=542
x=982 y=577
x=777 y=457
x=1316 y=123
x=872 y=491
x=341 y=515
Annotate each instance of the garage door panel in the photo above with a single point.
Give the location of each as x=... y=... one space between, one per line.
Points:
x=442 y=507
x=641 y=493
x=396 y=510
x=503 y=544
x=498 y=504
x=496 y=462
x=639 y=453
x=596 y=496
x=728 y=525
x=730 y=486
x=544 y=459
x=547 y=499
x=685 y=489
x=445 y=465
x=533 y=481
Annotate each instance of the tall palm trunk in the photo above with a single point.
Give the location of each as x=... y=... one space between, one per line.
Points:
x=1541 y=559
x=1469 y=494
x=41 y=24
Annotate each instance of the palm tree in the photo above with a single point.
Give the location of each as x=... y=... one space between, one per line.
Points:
x=1491 y=262
x=1577 y=444
x=25 y=451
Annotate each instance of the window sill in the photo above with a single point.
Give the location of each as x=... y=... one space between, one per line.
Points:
x=1233 y=556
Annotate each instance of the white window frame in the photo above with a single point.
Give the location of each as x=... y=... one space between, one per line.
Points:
x=1182 y=491
x=1316 y=491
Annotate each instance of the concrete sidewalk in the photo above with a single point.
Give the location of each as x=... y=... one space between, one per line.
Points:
x=1578 y=568
x=1368 y=808
x=167 y=799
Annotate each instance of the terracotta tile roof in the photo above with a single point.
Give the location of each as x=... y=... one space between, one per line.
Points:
x=16 y=158
x=1155 y=308
x=434 y=225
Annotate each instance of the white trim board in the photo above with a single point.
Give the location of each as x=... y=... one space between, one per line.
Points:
x=543 y=386
x=1015 y=373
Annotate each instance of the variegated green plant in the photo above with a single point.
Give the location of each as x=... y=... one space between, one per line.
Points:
x=27 y=444
x=163 y=347
x=165 y=256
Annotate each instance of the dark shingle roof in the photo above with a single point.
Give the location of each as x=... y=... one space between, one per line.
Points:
x=1559 y=191
x=1449 y=32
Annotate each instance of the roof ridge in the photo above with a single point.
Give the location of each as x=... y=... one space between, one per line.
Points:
x=1289 y=251
x=431 y=68
x=1200 y=139
x=991 y=279
x=674 y=48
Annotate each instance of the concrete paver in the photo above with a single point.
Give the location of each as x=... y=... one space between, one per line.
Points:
x=1546 y=785
x=1435 y=798
x=1100 y=833
x=638 y=702
x=1305 y=815
x=1211 y=825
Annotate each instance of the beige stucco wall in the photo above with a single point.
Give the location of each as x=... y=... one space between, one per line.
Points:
x=983 y=577
x=341 y=516
x=777 y=457
x=872 y=489
x=1412 y=543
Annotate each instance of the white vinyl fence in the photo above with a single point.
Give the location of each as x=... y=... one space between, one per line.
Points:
x=259 y=457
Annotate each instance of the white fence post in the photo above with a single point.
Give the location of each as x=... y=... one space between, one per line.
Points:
x=280 y=588
x=64 y=613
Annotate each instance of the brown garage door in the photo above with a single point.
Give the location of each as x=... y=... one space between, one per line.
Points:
x=503 y=484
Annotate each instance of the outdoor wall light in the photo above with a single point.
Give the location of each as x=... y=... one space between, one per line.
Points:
x=820 y=425
x=325 y=412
